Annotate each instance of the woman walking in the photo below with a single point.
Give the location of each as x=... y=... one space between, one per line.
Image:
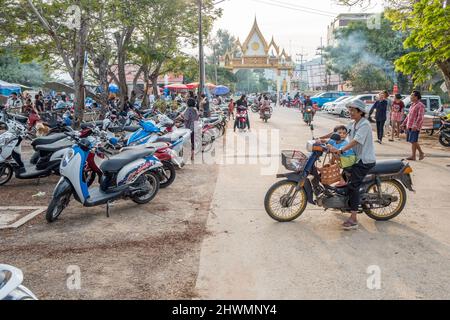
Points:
x=398 y=108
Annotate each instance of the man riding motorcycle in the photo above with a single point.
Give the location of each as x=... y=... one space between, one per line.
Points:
x=265 y=106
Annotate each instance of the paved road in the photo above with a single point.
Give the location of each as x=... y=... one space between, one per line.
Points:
x=250 y=256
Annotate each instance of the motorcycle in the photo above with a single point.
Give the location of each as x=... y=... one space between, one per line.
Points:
x=444 y=133
x=11 y=157
x=266 y=114
x=128 y=175
x=383 y=193
x=241 y=118
x=255 y=107
x=11 y=287
x=308 y=115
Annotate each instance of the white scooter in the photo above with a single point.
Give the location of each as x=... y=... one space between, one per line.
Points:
x=11 y=287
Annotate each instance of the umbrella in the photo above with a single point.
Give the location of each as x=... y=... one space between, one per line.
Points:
x=177 y=87
x=221 y=91
x=210 y=85
x=113 y=88
x=193 y=85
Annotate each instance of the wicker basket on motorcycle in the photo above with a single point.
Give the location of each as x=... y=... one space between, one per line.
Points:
x=293 y=160
x=330 y=172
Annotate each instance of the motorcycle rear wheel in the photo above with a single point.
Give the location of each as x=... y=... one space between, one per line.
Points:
x=153 y=180
x=6 y=173
x=393 y=188
x=277 y=203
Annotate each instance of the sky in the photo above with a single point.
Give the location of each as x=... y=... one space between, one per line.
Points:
x=295 y=24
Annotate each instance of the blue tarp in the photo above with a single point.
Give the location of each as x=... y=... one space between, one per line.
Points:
x=7 y=88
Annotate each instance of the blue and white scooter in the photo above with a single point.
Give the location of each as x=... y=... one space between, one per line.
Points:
x=126 y=175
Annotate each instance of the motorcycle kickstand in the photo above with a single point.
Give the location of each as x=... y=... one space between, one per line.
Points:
x=107 y=210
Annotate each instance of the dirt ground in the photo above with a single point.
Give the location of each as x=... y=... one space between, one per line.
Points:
x=140 y=252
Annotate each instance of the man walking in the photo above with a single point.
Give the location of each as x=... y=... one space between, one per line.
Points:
x=413 y=124
x=381 y=107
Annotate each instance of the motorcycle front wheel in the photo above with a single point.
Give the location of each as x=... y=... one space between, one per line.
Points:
x=444 y=141
x=56 y=206
x=6 y=172
x=392 y=188
x=283 y=203
x=167 y=174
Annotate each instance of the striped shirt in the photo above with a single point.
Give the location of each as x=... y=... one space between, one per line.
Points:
x=416 y=115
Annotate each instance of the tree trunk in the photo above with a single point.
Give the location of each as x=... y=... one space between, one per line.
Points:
x=122 y=40
x=445 y=69
x=78 y=77
x=145 y=101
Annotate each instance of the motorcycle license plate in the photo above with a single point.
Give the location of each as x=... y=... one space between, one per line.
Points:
x=267 y=113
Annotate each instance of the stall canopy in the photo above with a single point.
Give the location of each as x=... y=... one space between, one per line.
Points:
x=7 y=88
x=177 y=87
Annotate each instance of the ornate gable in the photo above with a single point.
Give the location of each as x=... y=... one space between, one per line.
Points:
x=255 y=44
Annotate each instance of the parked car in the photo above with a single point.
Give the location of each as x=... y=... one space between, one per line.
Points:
x=327 y=106
x=432 y=103
x=325 y=97
x=341 y=107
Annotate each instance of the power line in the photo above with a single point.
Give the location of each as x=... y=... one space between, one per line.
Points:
x=278 y=5
x=303 y=7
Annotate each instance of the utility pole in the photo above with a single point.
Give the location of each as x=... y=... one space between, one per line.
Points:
x=201 y=55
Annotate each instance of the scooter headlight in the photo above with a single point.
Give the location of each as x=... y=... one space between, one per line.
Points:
x=69 y=156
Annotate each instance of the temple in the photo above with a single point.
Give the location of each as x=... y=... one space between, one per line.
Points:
x=256 y=53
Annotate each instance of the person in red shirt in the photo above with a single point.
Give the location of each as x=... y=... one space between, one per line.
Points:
x=413 y=124
x=397 y=110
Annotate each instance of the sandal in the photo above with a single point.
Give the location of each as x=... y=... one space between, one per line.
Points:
x=422 y=156
x=350 y=225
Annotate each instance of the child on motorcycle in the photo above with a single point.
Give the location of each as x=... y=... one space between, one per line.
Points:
x=348 y=158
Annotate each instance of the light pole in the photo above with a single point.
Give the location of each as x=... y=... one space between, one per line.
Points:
x=201 y=57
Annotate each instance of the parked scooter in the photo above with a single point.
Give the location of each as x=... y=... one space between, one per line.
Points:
x=11 y=287
x=11 y=157
x=127 y=175
x=383 y=194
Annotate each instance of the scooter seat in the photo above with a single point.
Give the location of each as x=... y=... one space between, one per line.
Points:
x=131 y=128
x=21 y=119
x=87 y=125
x=117 y=162
x=387 y=167
x=211 y=120
x=48 y=139
x=56 y=146
x=164 y=139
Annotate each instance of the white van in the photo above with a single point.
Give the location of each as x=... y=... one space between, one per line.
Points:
x=433 y=105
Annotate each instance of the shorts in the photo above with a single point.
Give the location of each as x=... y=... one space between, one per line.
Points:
x=412 y=136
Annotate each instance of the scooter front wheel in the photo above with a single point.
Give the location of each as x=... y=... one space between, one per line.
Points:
x=6 y=172
x=167 y=174
x=56 y=206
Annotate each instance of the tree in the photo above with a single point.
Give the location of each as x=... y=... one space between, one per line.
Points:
x=427 y=24
x=29 y=74
x=358 y=45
